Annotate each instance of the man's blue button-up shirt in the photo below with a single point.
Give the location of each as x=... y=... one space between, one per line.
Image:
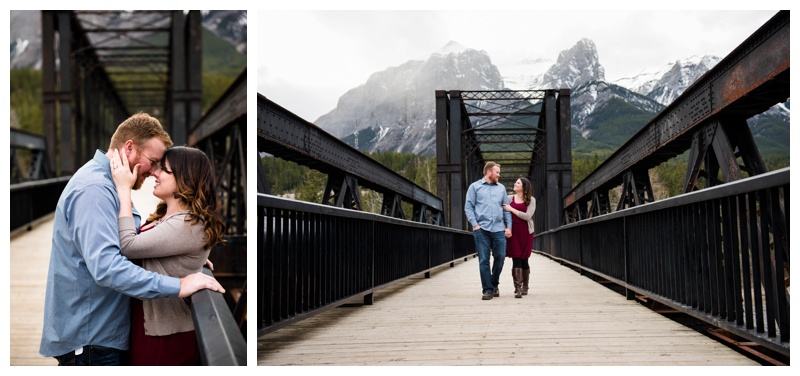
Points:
x=484 y=206
x=89 y=283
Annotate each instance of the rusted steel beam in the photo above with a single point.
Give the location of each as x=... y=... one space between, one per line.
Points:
x=750 y=80
x=231 y=106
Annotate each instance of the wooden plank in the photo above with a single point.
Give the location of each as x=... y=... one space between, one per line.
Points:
x=566 y=319
x=30 y=256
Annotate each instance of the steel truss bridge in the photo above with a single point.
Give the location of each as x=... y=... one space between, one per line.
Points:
x=718 y=253
x=93 y=78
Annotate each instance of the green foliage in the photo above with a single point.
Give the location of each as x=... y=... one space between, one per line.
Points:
x=283 y=176
x=221 y=57
x=772 y=136
x=308 y=184
x=583 y=165
x=776 y=162
x=671 y=176
x=312 y=187
x=26 y=98
x=416 y=168
x=584 y=147
x=214 y=85
x=617 y=122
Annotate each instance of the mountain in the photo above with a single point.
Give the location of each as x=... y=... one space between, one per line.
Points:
x=604 y=114
x=574 y=67
x=26 y=39
x=665 y=83
x=395 y=109
x=26 y=34
x=230 y=25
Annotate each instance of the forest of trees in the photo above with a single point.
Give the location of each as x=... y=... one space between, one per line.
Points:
x=305 y=184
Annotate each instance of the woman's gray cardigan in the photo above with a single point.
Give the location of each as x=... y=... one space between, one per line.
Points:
x=175 y=248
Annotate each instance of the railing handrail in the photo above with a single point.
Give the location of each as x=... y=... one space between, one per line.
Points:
x=315 y=257
x=39 y=183
x=719 y=254
x=218 y=337
x=311 y=207
x=750 y=184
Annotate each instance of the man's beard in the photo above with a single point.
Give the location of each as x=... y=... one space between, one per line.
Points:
x=138 y=184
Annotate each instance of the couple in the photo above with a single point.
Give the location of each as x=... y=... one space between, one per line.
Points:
x=489 y=210
x=102 y=256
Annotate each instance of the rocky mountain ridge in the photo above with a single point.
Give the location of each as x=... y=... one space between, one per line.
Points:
x=394 y=109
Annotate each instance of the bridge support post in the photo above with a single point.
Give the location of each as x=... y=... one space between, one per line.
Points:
x=420 y=213
x=186 y=66
x=57 y=89
x=716 y=147
x=449 y=167
x=600 y=204
x=636 y=189
x=557 y=174
x=342 y=191
x=393 y=206
x=263 y=182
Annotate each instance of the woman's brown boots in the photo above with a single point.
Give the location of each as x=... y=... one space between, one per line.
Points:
x=517 y=274
x=526 y=274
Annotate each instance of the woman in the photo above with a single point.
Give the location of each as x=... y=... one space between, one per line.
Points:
x=174 y=241
x=519 y=246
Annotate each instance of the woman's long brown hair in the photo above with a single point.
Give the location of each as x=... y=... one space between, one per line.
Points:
x=194 y=179
x=526 y=191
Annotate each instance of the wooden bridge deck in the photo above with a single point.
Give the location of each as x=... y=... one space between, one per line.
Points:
x=30 y=257
x=566 y=319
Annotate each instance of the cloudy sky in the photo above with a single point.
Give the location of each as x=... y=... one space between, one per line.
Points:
x=308 y=59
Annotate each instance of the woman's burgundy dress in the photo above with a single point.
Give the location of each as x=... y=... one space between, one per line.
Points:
x=179 y=349
x=521 y=242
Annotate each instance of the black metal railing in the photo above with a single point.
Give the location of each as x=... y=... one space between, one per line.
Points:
x=315 y=257
x=218 y=335
x=33 y=200
x=720 y=254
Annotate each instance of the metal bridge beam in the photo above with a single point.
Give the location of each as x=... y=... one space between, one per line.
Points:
x=221 y=134
x=750 y=80
x=464 y=146
x=286 y=135
x=80 y=102
x=185 y=74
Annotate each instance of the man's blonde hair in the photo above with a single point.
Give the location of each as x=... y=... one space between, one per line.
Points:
x=139 y=128
x=489 y=166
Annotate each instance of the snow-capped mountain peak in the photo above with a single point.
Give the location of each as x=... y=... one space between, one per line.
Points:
x=449 y=48
x=665 y=83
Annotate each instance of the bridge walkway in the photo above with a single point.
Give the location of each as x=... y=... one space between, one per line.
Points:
x=567 y=319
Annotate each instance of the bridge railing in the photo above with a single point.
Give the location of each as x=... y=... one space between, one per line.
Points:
x=218 y=335
x=33 y=200
x=720 y=254
x=315 y=257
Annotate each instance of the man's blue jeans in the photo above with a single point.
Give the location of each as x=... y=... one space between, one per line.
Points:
x=486 y=242
x=94 y=356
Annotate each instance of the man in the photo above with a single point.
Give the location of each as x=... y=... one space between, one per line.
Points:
x=491 y=225
x=89 y=284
